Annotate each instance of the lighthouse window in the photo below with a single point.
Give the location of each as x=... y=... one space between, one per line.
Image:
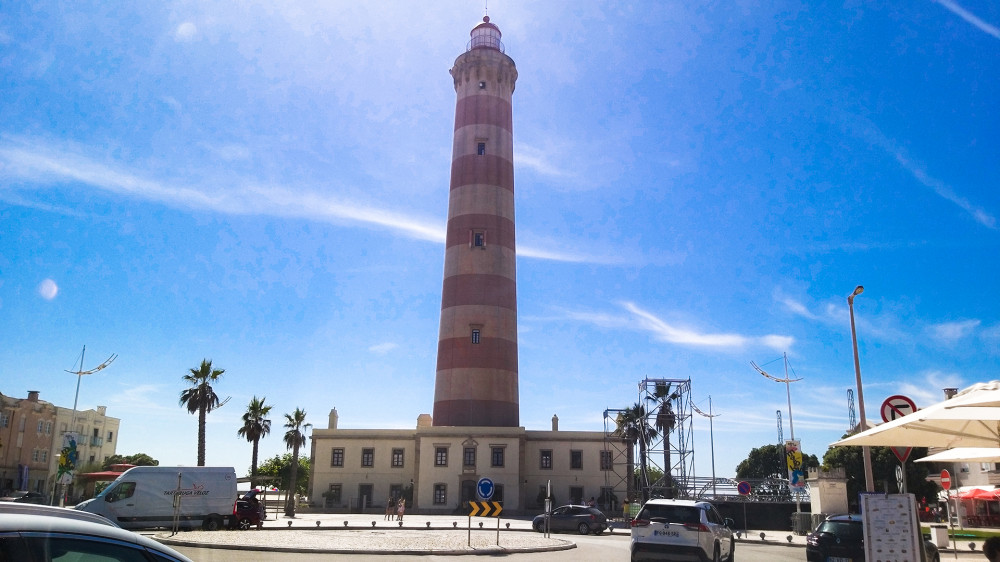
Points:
x=481 y=148
x=479 y=239
x=482 y=85
x=475 y=336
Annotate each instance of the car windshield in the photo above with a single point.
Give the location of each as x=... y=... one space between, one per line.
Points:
x=671 y=513
x=849 y=530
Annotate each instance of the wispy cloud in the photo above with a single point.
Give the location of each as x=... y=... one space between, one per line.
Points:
x=640 y=319
x=970 y=17
x=35 y=163
x=953 y=331
x=383 y=348
x=536 y=159
x=869 y=132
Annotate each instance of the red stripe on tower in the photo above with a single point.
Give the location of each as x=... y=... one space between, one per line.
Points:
x=476 y=382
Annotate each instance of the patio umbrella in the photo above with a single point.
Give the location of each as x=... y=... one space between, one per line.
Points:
x=965 y=454
x=952 y=423
x=984 y=394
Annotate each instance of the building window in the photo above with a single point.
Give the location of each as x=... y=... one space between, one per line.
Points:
x=34 y=455
x=48 y=428
x=93 y=458
x=545 y=459
x=469 y=457
x=576 y=460
x=4 y=420
x=576 y=495
x=482 y=85
x=45 y=455
x=41 y=426
x=395 y=491
x=497 y=456
x=497 y=493
x=368 y=457
x=397 y=458
x=440 y=494
x=475 y=336
x=441 y=456
x=481 y=148
x=111 y=435
x=479 y=239
x=337 y=457
x=607 y=463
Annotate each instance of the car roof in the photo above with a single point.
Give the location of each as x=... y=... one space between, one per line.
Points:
x=691 y=503
x=52 y=511
x=13 y=521
x=851 y=517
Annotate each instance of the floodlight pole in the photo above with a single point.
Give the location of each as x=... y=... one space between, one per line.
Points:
x=866 y=452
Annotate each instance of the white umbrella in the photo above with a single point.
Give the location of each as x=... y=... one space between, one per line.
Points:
x=941 y=425
x=983 y=394
x=965 y=454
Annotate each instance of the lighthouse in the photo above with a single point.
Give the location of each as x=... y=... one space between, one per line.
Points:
x=476 y=381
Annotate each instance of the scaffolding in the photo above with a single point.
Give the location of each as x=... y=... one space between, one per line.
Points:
x=666 y=430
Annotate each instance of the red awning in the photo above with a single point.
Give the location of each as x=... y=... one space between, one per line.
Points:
x=980 y=494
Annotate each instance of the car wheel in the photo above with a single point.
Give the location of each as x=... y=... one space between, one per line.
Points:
x=717 y=555
x=245 y=524
x=539 y=526
x=583 y=529
x=211 y=524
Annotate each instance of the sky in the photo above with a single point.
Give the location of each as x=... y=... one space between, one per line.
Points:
x=698 y=186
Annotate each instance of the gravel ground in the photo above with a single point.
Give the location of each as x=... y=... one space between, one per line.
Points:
x=370 y=540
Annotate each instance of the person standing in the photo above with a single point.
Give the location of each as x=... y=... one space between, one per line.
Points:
x=625 y=510
x=389 y=508
x=401 y=509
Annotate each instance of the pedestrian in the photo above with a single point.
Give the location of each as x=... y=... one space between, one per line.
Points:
x=401 y=509
x=991 y=548
x=591 y=503
x=625 y=510
x=389 y=508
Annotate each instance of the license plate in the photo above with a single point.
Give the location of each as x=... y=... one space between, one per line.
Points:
x=669 y=533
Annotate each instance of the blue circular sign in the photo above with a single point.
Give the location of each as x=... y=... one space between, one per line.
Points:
x=743 y=488
x=485 y=488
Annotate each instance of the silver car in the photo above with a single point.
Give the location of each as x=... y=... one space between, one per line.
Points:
x=681 y=530
x=35 y=533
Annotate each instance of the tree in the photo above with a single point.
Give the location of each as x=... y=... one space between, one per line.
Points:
x=767 y=463
x=294 y=438
x=201 y=398
x=255 y=426
x=884 y=464
x=665 y=422
x=634 y=428
x=277 y=471
x=138 y=459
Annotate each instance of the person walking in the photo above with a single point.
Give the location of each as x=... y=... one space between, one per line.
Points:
x=401 y=509
x=390 y=508
x=625 y=510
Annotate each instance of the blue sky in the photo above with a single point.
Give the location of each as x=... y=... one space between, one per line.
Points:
x=697 y=186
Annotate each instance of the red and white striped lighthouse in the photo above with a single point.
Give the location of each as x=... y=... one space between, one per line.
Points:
x=476 y=383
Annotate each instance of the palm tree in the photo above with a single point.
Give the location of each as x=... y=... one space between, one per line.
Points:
x=295 y=437
x=201 y=398
x=665 y=422
x=635 y=429
x=255 y=426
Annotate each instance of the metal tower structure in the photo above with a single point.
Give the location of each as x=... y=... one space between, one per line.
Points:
x=852 y=421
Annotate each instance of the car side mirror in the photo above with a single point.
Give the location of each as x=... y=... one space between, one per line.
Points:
x=729 y=522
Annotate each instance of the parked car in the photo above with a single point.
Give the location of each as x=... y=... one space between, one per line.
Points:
x=681 y=529
x=579 y=518
x=248 y=512
x=39 y=533
x=21 y=496
x=840 y=538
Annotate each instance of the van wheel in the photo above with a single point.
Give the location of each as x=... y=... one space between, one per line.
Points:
x=211 y=524
x=245 y=524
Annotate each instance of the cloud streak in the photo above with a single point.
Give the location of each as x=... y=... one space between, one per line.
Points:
x=970 y=17
x=33 y=163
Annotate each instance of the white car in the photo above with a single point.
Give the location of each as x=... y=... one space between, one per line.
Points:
x=686 y=530
x=36 y=533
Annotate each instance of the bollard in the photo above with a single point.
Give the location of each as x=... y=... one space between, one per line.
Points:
x=428 y=524
x=317 y=523
x=789 y=538
x=373 y=523
x=345 y=523
x=289 y=523
x=762 y=535
x=454 y=523
x=400 y=523
x=508 y=524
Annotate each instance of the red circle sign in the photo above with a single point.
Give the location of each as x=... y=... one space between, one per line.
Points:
x=897 y=406
x=945 y=480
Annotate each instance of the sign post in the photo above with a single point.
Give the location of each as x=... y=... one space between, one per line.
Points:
x=893 y=407
x=485 y=489
x=946 y=484
x=744 y=489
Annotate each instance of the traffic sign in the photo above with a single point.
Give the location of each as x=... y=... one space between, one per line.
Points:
x=485 y=488
x=902 y=453
x=743 y=488
x=945 y=480
x=896 y=407
x=485 y=509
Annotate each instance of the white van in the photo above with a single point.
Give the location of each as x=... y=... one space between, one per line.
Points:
x=158 y=496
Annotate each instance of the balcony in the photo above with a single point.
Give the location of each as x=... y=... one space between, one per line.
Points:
x=96 y=441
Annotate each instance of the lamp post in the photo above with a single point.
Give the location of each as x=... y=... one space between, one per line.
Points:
x=866 y=452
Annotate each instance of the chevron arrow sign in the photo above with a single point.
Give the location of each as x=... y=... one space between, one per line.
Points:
x=485 y=509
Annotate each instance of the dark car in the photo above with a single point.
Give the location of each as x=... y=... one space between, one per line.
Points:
x=840 y=538
x=248 y=512
x=21 y=496
x=579 y=518
x=37 y=532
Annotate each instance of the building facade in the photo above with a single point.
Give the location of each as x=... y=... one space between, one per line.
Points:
x=27 y=427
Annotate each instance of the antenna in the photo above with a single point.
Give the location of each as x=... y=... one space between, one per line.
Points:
x=781 y=438
x=851 y=420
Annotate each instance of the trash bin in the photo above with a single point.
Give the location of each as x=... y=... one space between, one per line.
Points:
x=939 y=536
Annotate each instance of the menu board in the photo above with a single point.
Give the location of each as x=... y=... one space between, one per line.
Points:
x=892 y=533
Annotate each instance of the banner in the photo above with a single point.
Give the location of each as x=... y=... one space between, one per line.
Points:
x=793 y=458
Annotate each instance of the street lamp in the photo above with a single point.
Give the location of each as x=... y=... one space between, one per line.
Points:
x=866 y=452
